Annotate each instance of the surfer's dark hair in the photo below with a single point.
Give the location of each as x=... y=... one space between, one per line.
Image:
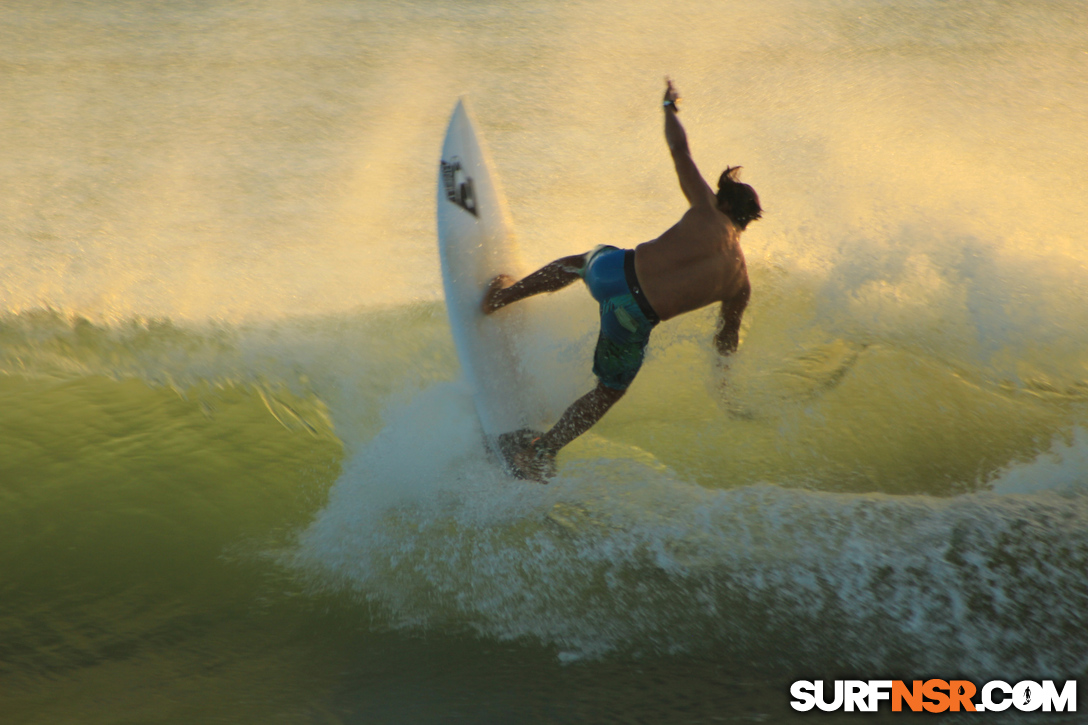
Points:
x=737 y=200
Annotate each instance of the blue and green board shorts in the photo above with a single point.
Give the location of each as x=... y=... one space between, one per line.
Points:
x=626 y=316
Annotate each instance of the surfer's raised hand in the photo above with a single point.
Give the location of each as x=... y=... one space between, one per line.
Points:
x=671 y=95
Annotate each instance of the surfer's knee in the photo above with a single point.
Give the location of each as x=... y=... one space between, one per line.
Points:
x=572 y=266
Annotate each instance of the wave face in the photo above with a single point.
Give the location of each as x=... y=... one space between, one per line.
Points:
x=236 y=454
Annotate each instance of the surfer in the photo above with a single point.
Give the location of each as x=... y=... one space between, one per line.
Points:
x=696 y=262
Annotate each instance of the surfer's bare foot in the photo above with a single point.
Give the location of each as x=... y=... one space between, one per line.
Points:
x=491 y=296
x=528 y=464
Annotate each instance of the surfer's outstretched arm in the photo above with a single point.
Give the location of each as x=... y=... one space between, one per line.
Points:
x=692 y=183
x=549 y=278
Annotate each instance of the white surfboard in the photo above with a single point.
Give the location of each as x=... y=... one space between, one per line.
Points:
x=476 y=243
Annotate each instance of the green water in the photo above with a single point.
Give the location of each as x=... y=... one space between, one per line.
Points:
x=213 y=552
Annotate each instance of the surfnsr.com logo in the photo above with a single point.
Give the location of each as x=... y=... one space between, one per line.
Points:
x=934 y=696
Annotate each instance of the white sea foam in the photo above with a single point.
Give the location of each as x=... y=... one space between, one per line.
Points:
x=621 y=555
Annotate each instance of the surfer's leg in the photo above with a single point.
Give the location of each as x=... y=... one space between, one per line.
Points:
x=551 y=277
x=621 y=348
x=582 y=415
x=537 y=461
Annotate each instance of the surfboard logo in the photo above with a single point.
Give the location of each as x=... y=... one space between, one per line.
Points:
x=459 y=188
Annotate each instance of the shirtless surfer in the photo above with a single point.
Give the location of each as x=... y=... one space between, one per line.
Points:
x=696 y=262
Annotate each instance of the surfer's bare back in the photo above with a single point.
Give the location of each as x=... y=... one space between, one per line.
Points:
x=696 y=262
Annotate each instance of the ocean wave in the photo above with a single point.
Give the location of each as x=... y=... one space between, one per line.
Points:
x=620 y=554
